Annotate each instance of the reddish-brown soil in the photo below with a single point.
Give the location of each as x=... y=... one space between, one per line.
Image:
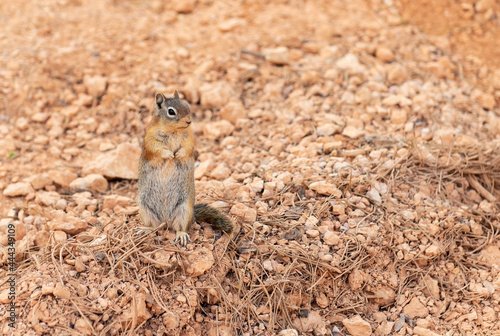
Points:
x=354 y=144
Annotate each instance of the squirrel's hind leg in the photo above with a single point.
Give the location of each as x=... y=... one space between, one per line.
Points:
x=182 y=219
x=149 y=222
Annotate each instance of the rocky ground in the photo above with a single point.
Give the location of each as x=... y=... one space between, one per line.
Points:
x=355 y=144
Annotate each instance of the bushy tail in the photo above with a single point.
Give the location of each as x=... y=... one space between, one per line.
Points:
x=205 y=213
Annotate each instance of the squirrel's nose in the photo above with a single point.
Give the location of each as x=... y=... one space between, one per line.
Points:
x=188 y=122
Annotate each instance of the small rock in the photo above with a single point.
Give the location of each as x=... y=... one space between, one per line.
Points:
x=277 y=56
x=221 y=172
x=61 y=204
x=61 y=291
x=397 y=74
x=22 y=123
x=325 y=188
x=487 y=207
x=7 y=148
x=327 y=129
x=496 y=79
x=60 y=237
x=95 y=85
x=170 y=320
x=431 y=286
x=349 y=63
x=486 y=100
x=217 y=129
x=322 y=300
x=384 y=54
x=357 y=326
x=384 y=295
x=191 y=89
x=241 y=210
x=415 y=308
x=122 y=162
x=83 y=326
x=313 y=322
x=79 y=265
x=331 y=238
x=353 y=132
x=138 y=314
x=69 y=224
x=484 y=5
x=181 y=298
x=4 y=296
x=312 y=233
x=92 y=182
x=491 y=255
x=489 y=287
x=479 y=289
x=374 y=195
x=40 y=117
x=233 y=111
x=432 y=251
x=4 y=240
x=47 y=198
x=203 y=168
x=424 y=332
x=356 y=279
x=445 y=136
x=111 y=201
x=42 y=238
x=273 y=266
x=200 y=260
x=39 y=181
x=216 y=94
x=231 y=24
x=309 y=78
x=47 y=288
x=338 y=209
x=18 y=189
x=288 y=332
x=312 y=221
x=62 y=177
x=184 y=6
x=398 y=116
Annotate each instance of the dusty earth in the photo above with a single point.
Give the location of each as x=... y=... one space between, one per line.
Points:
x=355 y=145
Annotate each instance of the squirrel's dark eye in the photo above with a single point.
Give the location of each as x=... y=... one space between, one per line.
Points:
x=171 y=112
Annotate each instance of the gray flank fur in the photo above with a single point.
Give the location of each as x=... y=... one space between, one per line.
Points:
x=164 y=196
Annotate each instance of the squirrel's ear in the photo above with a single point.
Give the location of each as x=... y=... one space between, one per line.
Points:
x=159 y=99
x=176 y=94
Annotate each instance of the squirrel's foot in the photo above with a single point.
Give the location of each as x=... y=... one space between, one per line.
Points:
x=167 y=154
x=182 y=237
x=181 y=153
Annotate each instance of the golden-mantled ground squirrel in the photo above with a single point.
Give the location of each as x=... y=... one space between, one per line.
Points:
x=166 y=172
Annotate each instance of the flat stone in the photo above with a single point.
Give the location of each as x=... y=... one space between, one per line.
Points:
x=241 y=210
x=62 y=177
x=62 y=221
x=357 y=326
x=92 y=182
x=217 y=129
x=122 y=162
x=18 y=189
x=415 y=308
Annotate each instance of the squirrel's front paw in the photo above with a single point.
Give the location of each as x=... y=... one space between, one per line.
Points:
x=182 y=237
x=167 y=154
x=181 y=153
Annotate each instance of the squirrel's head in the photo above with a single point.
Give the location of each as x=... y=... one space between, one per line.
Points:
x=173 y=111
